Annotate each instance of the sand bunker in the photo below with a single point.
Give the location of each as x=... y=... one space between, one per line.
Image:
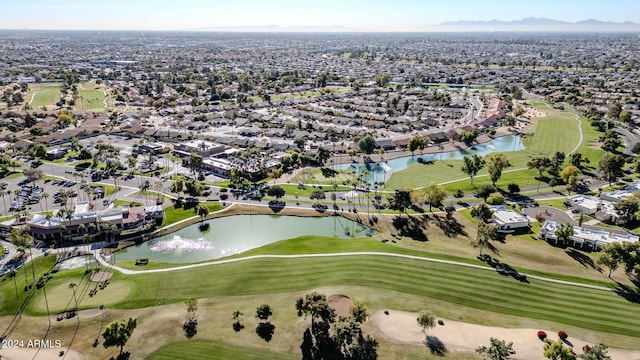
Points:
x=100 y=276
x=71 y=315
x=341 y=304
x=43 y=354
x=401 y=327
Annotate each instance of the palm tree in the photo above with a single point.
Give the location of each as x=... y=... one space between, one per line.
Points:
x=143 y=190
x=16 y=238
x=4 y=193
x=28 y=241
x=158 y=186
x=39 y=197
x=45 y=196
x=73 y=286
x=12 y=274
x=564 y=233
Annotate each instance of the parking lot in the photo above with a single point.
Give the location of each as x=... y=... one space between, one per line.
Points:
x=48 y=194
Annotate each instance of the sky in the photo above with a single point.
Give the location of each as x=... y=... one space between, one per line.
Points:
x=377 y=15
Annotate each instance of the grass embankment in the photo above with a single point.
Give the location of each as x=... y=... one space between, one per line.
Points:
x=201 y=349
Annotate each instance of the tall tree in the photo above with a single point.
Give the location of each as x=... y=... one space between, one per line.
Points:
x=276 y=191
x=577 y=159
x=611 y=167
x=496 y=163
x=195 y=162
x=400 y=201
x=202 y=210
x=497 y=350
x=564 y=233
x=367 y=144
x=540 y=163
x=434 y=194
x=486 y=232
x=317 y=343
x=323 y=155
x=627 y=209
x=426 y=320
x=611 y=261
x=471 y=165
x=118 y=332
x=416 y=143
x=481 y=212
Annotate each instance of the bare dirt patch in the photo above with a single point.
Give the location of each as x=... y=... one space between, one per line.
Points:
x=42 y=354
x=341 y=304
x=454 y=336
x=100 y=276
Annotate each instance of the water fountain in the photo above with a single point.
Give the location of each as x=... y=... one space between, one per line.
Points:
x=179 y=244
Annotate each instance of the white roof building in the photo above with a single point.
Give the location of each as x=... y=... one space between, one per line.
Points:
x=595 y=238
x=509 y=220
x=585 y=204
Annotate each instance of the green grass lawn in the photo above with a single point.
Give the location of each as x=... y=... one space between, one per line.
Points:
x=446 y=283
x=295 y=190
x=380 y=279
x=557 y=132
x=91 y=98
x=45 y=94
x=174 y=214
x=211 y=349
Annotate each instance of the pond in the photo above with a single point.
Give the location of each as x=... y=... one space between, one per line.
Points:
x=380 y=172
x=234 y=234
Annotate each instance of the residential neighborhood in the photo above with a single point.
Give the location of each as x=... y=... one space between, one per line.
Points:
x=395 y=188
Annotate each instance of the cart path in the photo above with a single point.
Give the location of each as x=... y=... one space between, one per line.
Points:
x=103 y=262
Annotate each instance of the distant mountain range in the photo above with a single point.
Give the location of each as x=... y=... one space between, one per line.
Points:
x=538 y=24
x=530 y=24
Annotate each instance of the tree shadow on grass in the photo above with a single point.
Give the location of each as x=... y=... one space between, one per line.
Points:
x=630 y=294
x=190 y=328
x=265 y=331
x=450 y=226
x=503 y=268
x=581 y=258
x=238 y=326
x=436 y=346
x=411 y=226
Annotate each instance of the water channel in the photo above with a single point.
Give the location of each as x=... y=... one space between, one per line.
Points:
x=235 y=234
x=380 y=172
